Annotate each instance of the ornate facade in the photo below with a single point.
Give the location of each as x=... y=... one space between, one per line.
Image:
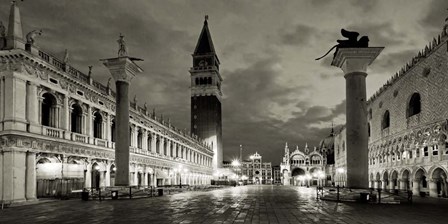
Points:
x=57 y=129
x=407 y=126
x=257 y=171
x=303 y=167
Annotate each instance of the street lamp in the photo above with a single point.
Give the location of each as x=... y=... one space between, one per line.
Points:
x=180 y=170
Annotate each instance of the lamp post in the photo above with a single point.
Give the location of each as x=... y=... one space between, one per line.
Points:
x=180 y=170
x=236 y=166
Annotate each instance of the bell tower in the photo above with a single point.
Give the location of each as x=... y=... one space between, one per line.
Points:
x=206 y=94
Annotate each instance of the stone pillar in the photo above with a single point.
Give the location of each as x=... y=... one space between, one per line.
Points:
x=30 y=191
x=145 y=139
x=89 y=125
x=416 y=187
x=32 y=107
x=168 y=148
x=14 y=175
x=107 y=176
x=161 y=146
x=15 y=103
x=65 y=122
x=153 y=143
x=88 y=175
x=123 y=70
x=432 y=184
x=354 y=62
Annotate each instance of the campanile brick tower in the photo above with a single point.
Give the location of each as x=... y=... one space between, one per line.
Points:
x=206 y=95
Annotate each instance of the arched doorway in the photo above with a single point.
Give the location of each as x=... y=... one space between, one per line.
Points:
x=394 y=180
x=298 y=177
x=139 y=178
x=378 y=181
x=439 y=188
x=405 y=180
x=420 y=184
x=96 y=176
x=385 y=183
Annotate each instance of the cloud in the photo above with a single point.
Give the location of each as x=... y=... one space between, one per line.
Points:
x=434 y=17
x=380 y=34
x=298 y=35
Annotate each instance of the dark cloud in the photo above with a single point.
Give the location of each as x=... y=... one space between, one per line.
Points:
x=434 y=18
x=298 y=35
x=380 y=34
x=392 y=62
x=366 y=6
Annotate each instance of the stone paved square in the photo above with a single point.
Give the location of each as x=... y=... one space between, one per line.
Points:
x=244 y=204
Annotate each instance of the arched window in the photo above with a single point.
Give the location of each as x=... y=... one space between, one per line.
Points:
x=209 y=80
x=158 y=145
x=97 y=125
x=165 y=147
x=113 y=131
x=139 y=139
x=386 y=120
x=370 y=113
x=197 y=81
x=414 y=106
x=76 y=119
x=368 y=129
x=48 y=111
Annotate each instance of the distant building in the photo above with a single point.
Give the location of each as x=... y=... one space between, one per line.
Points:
x=255 y=171
x=303 y=167
x=277 y=175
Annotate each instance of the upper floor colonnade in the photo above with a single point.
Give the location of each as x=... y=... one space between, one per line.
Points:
x=73 y=114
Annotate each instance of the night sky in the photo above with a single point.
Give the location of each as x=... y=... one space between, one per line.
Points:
x=274 y=90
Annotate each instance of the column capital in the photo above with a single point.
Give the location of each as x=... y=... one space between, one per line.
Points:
x=122 y=69
x=355 y=59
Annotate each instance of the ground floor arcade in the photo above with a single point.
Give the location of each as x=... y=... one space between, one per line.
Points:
x=424 y=181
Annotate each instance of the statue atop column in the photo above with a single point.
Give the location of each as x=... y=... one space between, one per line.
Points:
x=122 y=50
x=352 y=42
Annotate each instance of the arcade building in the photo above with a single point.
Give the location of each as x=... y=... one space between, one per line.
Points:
x=57 y=127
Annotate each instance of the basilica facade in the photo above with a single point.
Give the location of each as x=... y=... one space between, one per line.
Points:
x=57 y=129
x=408 y=127
x=303 y=167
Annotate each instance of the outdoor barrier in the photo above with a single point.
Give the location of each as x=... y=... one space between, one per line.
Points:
x=368 y=195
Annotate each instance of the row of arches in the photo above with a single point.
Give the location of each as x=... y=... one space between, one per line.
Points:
x=144 y=139
x=56 y=175
x=432 y=182
x=203 y=81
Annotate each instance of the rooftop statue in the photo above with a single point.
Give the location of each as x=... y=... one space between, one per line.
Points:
x=31 y=35
x=352 y=42
x=122 y=50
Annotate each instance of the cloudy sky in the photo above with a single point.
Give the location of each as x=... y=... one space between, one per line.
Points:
x=274 y=90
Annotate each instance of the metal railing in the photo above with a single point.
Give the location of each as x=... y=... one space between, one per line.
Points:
x=367 y=195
